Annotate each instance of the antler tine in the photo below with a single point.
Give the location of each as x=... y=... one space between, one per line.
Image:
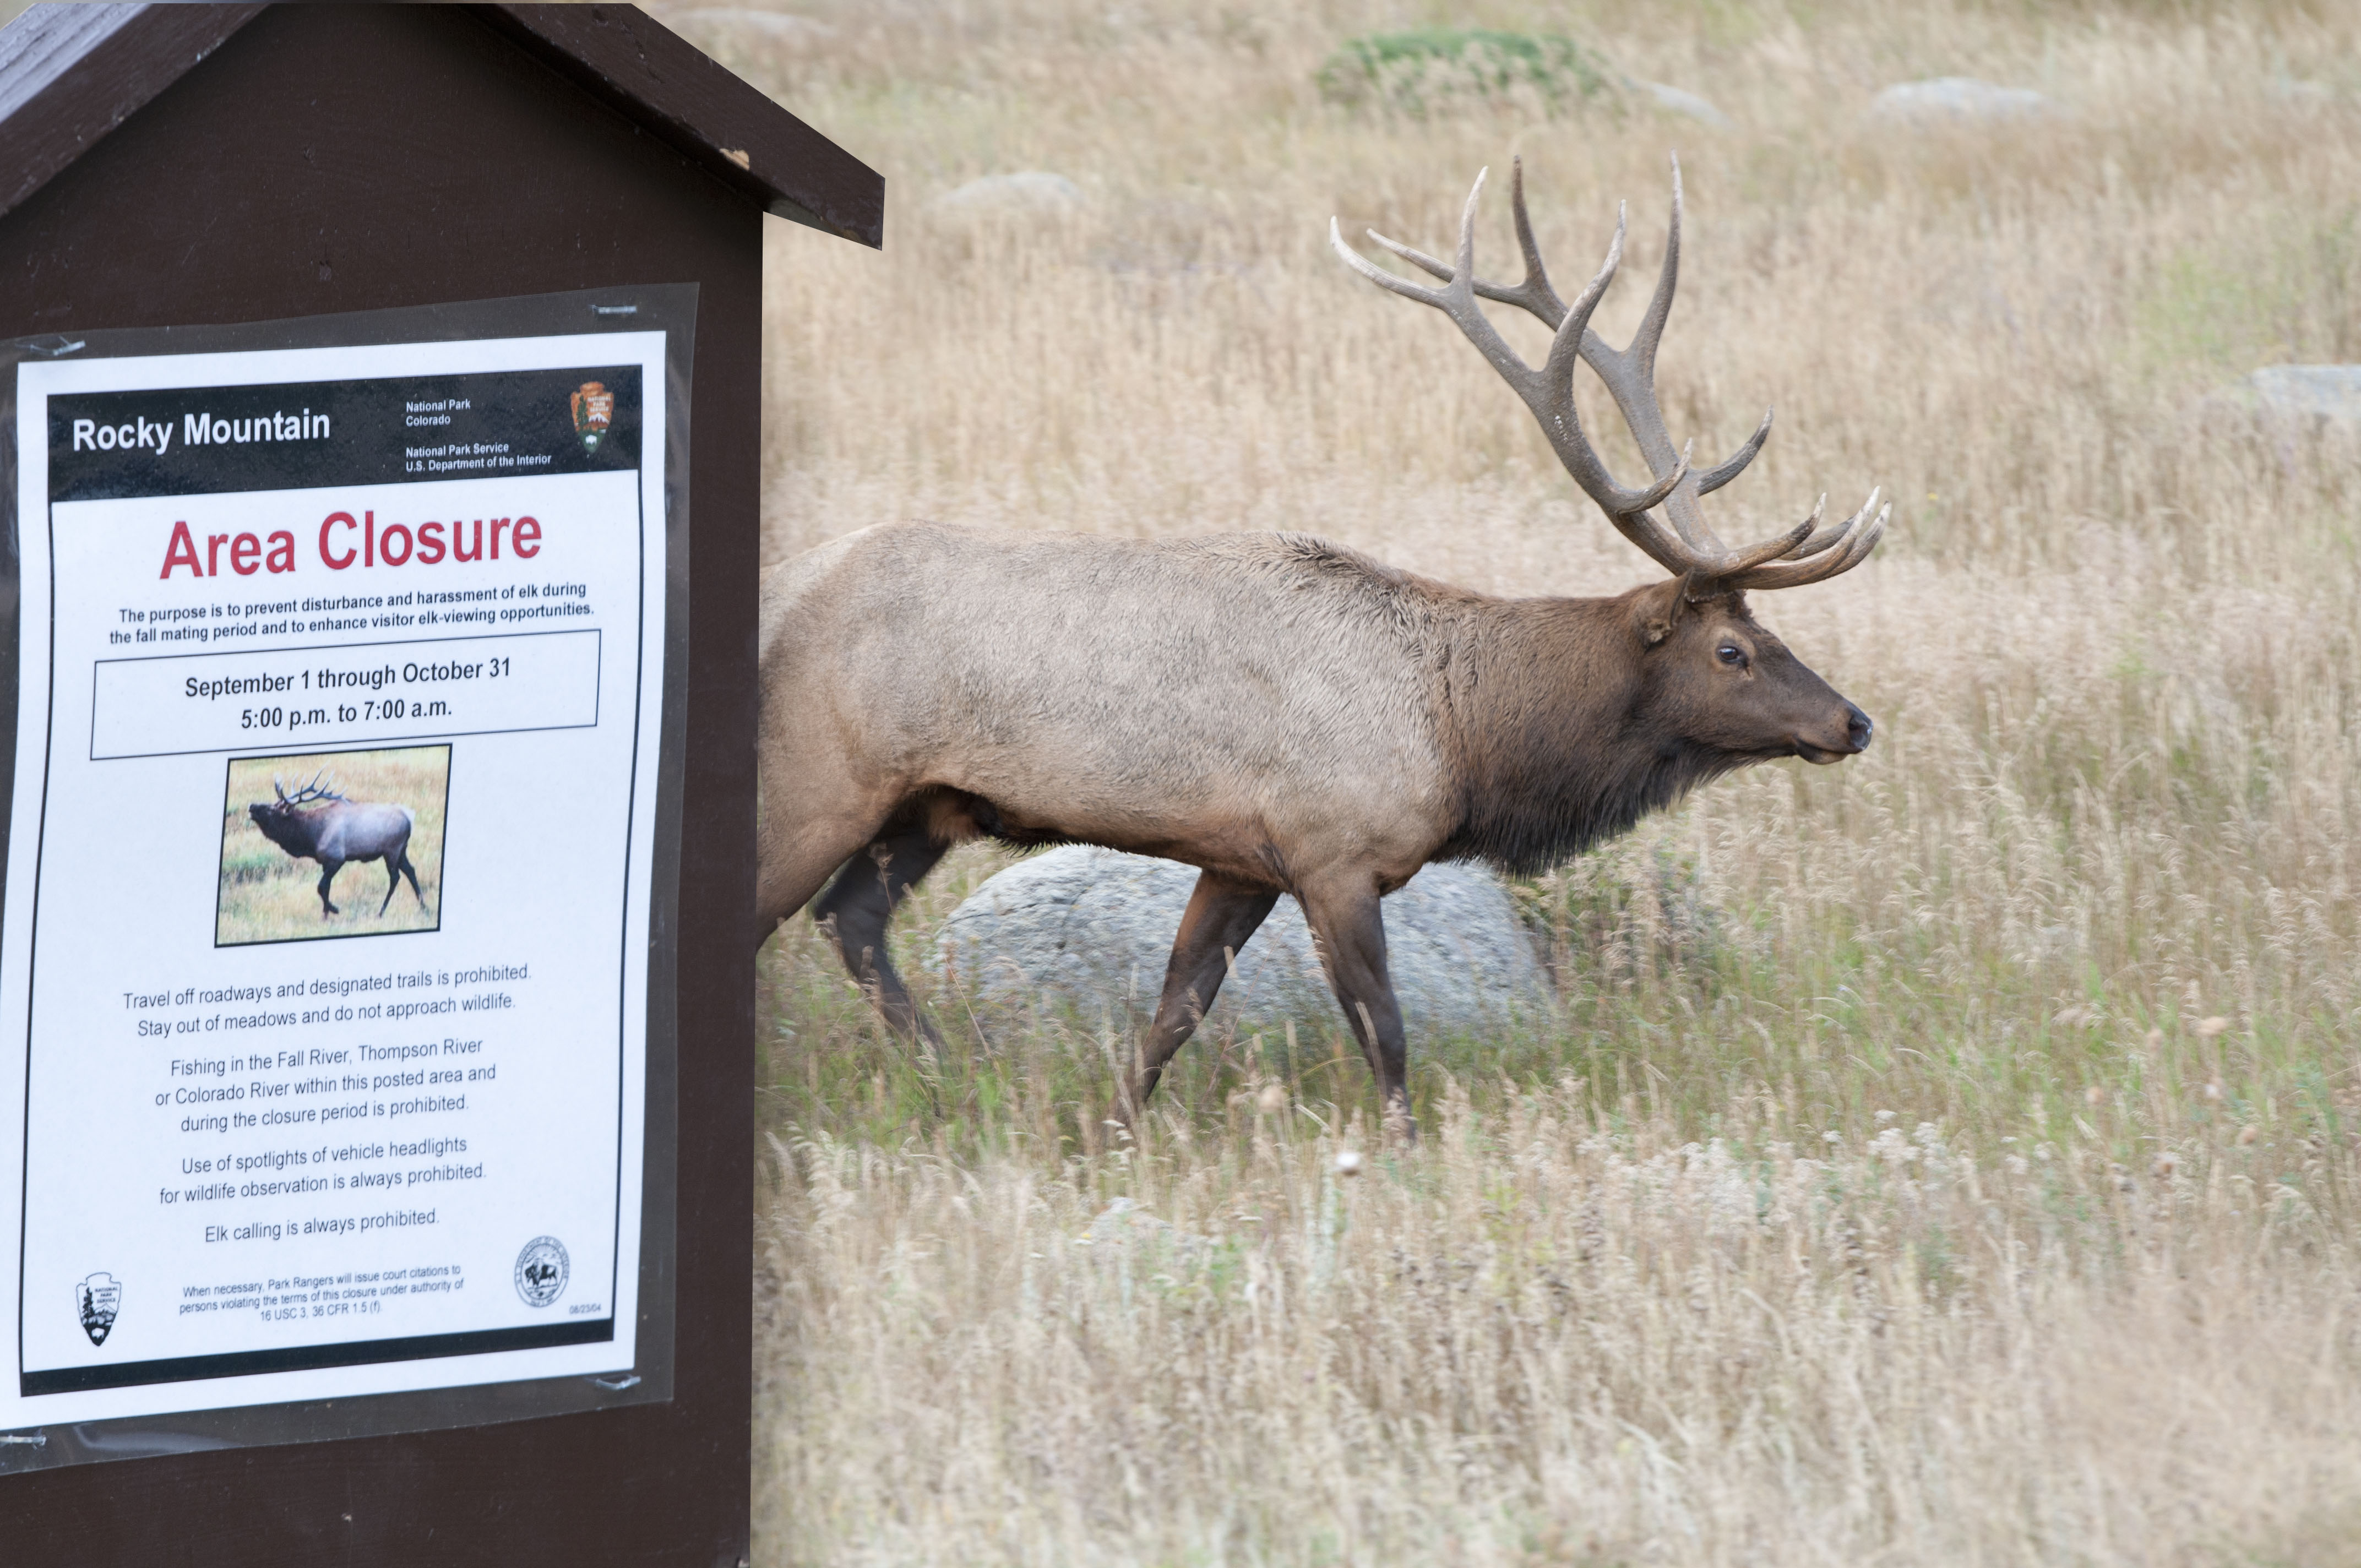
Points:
x=1650 y=333
x=1534 y=294
x=1770 y=549
x=1729 y=467
x=1383 y=279
x=1814 y=544
x=1411 y=254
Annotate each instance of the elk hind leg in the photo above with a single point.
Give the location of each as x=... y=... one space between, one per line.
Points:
x=1345 y=919
x=1214 y=929
x=859 y=907
x=396 y=865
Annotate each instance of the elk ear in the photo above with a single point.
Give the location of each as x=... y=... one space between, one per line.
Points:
x=1660 y=611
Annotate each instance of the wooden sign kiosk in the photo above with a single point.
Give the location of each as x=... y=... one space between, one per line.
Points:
x=198 y=167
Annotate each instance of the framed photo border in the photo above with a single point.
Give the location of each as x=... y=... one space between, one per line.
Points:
x=230 y=762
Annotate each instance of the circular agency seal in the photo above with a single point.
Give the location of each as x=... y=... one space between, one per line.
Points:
x=541 y=1271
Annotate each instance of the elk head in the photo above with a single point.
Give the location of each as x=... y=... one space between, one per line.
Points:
x=1708 y=672
x=277 y=813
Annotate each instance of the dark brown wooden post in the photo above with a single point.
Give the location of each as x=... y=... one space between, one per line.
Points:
x=194 y=165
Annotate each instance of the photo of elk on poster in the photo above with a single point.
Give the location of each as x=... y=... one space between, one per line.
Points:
x=382 y=808
x=323 y=963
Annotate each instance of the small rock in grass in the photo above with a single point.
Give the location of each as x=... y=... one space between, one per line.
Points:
x=1031 y=193
x=1957 y=99
x=1680 y=100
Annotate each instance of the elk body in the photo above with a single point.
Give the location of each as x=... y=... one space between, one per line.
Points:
x=1289 y=716
x=340 y=831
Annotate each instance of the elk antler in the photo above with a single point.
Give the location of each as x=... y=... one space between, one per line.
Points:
x=309 y=792
x=1689 y=548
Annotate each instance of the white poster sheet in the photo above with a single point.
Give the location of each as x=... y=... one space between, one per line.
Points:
x=323 y=959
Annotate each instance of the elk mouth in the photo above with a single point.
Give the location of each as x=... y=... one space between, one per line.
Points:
x=1857 y=733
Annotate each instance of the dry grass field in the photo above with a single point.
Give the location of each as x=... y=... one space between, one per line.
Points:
x=1978 y=1185
x=267 y=895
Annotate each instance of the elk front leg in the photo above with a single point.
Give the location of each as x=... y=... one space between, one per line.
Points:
x=1350 y=929
x=328 y=869
x=1214 y=928
x=859 y=905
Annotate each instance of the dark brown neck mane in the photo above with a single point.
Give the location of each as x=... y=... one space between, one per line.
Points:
x=1542 y=719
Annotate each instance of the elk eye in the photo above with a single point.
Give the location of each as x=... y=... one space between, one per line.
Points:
x=1730 y=653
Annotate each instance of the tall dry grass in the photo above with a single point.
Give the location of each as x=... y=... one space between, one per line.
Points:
x=2087 y=911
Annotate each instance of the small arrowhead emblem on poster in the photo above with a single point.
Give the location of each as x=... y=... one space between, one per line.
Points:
x=594 y=410
x=99 y=1299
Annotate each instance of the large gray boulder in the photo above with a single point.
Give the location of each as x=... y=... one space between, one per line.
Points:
x=1091 y=929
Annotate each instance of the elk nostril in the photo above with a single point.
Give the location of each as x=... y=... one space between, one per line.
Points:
x=1858 y=727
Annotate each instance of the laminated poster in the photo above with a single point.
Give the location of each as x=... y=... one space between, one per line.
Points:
x=323 y=956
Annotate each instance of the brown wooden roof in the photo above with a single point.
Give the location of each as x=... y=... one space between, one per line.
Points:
x=69 y=74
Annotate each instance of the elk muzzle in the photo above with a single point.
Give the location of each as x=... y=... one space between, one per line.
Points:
x=1847 y=736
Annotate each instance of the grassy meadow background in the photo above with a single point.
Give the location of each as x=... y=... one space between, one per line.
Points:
x=1946 y=1156
x=268 y=895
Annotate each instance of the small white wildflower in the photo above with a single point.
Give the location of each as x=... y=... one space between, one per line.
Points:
x=1833 y=1137
x=1883 y=1117
x=2213 y=1090
x=1349 y=1162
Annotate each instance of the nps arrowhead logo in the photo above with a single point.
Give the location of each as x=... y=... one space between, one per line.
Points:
x=594 y=410
x=98 y=1299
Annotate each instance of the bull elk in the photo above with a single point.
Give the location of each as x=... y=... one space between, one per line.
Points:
x=1285 y=714
x=340 y=831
